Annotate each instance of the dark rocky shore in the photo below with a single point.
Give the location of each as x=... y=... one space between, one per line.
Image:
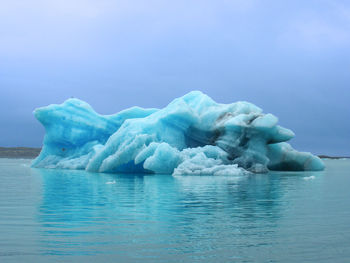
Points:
x=19 y=152
x=332 y=157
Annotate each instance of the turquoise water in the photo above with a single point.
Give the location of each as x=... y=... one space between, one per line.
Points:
x=74 y=216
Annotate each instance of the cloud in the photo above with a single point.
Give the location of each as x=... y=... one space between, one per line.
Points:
x=327 y=27
x=316 y=34
x=42 y=28
x=87 y=8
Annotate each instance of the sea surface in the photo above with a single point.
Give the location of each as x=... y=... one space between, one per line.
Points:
x=75 y=216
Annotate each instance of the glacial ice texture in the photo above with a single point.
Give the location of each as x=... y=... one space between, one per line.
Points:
x=193 y=135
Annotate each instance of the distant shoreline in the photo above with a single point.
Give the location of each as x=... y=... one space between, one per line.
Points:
x=19 y=152
x=333 y=157
x=30 y=153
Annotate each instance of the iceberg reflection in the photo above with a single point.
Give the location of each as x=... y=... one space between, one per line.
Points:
x=87 y=214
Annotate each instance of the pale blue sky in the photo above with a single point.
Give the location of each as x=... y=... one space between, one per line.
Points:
x=291 y=58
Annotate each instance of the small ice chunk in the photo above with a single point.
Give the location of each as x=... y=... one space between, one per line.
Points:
x=309 y=177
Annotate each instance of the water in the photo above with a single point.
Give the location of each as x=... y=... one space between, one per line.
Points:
x=74 y=216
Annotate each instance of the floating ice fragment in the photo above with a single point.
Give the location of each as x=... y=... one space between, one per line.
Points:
x=309 y=177
x=192 y=135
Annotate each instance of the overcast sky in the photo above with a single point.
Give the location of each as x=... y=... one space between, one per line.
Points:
x=291 y=58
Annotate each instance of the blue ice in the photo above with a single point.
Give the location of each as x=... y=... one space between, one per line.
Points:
x=193 y=135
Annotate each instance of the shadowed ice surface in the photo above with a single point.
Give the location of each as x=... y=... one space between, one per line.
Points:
x=76 y=216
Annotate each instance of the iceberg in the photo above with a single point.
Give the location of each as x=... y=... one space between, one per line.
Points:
x=193 y=135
